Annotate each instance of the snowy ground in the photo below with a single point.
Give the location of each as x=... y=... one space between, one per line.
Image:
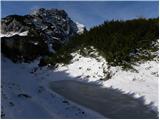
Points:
x=110 y=102
x=25 y=92
x=25 y=96
x=143 y=82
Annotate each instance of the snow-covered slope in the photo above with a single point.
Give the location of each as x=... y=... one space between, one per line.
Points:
x=142 y=82
x=25 y=94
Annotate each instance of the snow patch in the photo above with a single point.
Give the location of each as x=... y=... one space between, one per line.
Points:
x=10 y=34
x=80 y=28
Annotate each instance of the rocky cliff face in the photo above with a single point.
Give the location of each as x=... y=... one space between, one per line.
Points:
x=47 y=30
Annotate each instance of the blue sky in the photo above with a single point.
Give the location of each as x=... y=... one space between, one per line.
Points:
x=87 y=13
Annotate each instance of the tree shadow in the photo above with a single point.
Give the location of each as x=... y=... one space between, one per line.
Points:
x=110 y=102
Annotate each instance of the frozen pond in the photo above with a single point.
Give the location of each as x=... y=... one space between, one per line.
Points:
x=109 y=102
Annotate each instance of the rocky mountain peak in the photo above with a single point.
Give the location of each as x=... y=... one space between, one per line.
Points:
x=49 y=28
x=46 y=12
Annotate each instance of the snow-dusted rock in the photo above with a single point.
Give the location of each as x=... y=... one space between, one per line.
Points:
x=51 y=28
x=81 y=28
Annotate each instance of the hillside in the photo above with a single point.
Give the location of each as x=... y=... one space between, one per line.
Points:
x=121 y=43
